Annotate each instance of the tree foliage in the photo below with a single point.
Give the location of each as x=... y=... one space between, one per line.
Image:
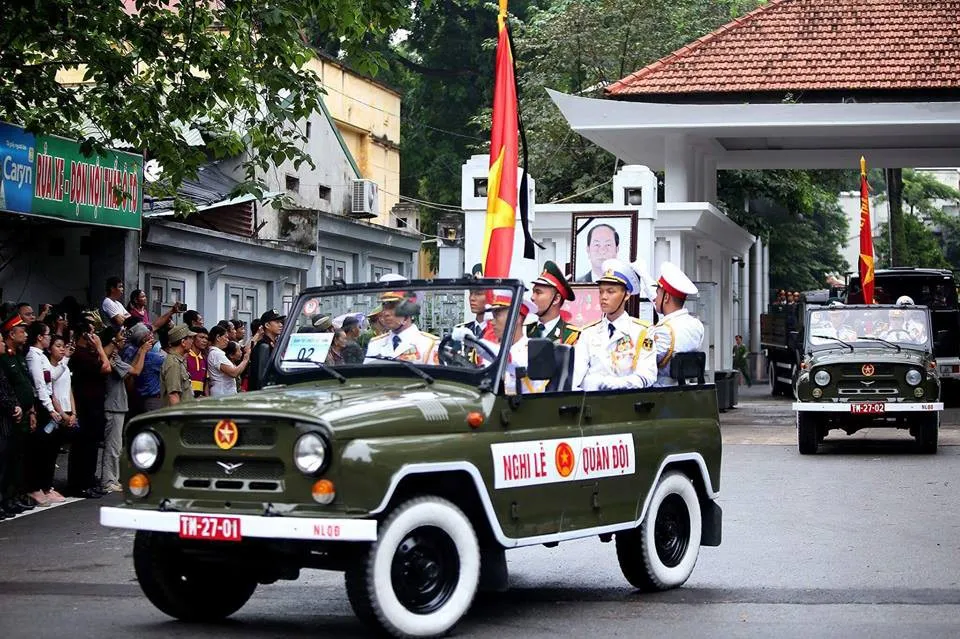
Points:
x=931 y=236
x=581 y=46
x=798 y=216
x=232 y=70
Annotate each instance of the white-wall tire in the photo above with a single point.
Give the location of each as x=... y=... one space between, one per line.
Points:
x=662 y=553
x=431 y=531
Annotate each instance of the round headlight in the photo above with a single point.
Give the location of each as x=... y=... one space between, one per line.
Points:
x=145 y=450
x=822 y=378
x=914 y=377
x=309 y=453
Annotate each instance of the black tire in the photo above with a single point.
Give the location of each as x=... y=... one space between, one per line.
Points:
x=182 y=587
x=808 y=437
x=928 y=433
x=420 y=577
x=661 y=553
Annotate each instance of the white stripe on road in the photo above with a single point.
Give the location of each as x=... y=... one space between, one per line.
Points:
x=39 y=509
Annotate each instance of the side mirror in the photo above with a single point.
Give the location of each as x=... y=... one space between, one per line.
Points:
x=541 y=361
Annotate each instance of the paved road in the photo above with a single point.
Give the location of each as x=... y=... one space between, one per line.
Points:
x=863 y=540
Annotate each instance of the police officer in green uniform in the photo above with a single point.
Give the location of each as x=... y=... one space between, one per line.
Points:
x=550 y=291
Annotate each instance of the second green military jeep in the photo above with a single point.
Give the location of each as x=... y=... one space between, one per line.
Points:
x=411 y=472
x=868 y=366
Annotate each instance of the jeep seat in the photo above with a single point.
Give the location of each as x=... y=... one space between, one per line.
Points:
x=563 y=380
x=684 y=366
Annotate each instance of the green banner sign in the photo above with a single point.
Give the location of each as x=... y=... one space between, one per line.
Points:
x=47 y=176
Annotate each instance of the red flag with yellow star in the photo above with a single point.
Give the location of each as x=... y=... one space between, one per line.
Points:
x=865 y=265
x=504 y=146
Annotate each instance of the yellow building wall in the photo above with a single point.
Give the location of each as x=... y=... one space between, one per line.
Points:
x=368 y=116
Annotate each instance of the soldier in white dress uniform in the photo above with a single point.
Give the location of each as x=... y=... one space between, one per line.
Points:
x=677 y=331
x=615 y=351
x=403 y=340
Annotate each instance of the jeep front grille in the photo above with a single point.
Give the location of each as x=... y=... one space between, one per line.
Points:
x=250 y=475
x=249 y=437
x=868 y=391
x=856 y=371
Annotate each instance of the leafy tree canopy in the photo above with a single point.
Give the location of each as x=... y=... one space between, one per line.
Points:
x=797 y=214
x=232 y=69
x=932 y=236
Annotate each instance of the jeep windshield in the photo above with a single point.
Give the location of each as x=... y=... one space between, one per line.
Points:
x=862 y=327
x=419 y=329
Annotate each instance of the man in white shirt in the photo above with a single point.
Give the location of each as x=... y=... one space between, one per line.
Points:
x=403 y=340
x=112 y=307
x=677 y=331
x=614 y=352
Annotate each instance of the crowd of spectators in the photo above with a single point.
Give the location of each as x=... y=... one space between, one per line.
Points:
x=71 y=377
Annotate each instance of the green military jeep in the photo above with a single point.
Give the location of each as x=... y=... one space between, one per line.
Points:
x=411 y=473
x=868 y=366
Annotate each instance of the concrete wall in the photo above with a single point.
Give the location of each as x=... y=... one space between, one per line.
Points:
x=209 y=263
x=367 y=114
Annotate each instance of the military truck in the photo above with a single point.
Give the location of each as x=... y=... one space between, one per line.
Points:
x=413 y=473
x=781 y=337
x=868 y=366
x=934 y=288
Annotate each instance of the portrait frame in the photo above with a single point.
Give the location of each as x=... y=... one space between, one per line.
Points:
x=624 y=224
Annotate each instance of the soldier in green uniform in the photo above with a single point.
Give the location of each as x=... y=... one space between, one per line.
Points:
x=550 y=291
x=14 y=366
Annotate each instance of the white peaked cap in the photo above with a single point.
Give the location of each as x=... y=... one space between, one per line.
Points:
x=619 y=272
x=646 y=280
x=675 y=281
x=527 y=307
x=392 y=277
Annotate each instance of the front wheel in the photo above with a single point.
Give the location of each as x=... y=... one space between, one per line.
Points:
x=808 y=439
x=928 y=433
x=183 y=587
x=662 y=552
x=420 y=576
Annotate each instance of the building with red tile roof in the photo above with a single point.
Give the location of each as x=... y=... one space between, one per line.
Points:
x=814 y=46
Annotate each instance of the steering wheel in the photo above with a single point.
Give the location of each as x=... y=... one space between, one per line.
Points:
x=451 y=357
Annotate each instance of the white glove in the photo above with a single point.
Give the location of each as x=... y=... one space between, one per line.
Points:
x=459 y=333
x=609 y=382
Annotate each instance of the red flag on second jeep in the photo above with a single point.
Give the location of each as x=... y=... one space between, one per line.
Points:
x=504 y=145
x=865 y=263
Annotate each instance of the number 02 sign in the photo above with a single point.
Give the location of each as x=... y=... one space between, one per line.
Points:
x=308 y=347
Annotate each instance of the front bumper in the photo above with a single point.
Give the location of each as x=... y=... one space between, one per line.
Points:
x=250 y=525
x=848 y=407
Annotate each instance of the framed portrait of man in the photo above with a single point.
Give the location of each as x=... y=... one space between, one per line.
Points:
x=600 y=236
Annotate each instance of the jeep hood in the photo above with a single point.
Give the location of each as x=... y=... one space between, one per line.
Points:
x=884 y=355
x=381 y=406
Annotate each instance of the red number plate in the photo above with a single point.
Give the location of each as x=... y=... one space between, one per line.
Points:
x=867 y=408
x=212 y=528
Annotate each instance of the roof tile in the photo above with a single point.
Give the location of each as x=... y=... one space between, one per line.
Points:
x=803 y=45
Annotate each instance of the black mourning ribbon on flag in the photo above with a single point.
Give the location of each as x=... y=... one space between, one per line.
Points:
x=528 y=241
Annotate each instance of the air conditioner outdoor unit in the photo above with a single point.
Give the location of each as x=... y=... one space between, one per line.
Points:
x=366 y=199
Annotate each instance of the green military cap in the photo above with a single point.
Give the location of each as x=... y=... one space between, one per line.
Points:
x=553 y=276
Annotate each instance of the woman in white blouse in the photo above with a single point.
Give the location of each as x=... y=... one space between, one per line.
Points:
x=222 y=374
x=43 y=443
